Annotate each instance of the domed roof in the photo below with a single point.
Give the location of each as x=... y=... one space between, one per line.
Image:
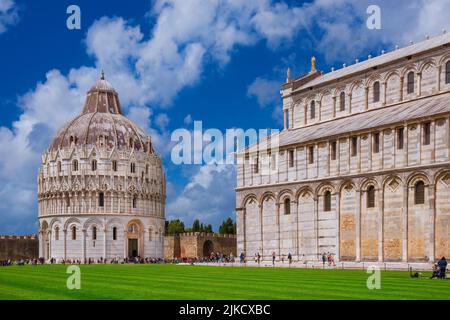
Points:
x=102 y=123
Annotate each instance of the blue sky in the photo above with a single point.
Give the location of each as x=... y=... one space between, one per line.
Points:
x=173 y=62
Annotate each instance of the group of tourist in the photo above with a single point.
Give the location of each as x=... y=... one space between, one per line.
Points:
x=21 y=262
x=328 y=258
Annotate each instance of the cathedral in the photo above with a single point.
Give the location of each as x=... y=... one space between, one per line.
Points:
x=361 y=169
x=101 y=187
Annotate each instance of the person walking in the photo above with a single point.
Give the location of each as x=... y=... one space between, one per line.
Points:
x=290 y=258
x=442 y=264
x=324 y=259
x=273 y=258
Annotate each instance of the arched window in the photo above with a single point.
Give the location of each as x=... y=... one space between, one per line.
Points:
x=57 y=233
x=327 y=201
x=114 y=165
x=371 y=197
x=133 y=228
x=312 y=110
x=58 y=166
x=376 y=92
x=67 y=200
x=94 y=165
x=114 y=233
x=146 y=169
x=419 y=193
x=287 y=206
x=447 y=72
x=410 y=86
x=75 y=165
x=94 y=233
x=74 y=233
x=134 y=202
x=133 y=167
x=342 y=101
x=101 y=199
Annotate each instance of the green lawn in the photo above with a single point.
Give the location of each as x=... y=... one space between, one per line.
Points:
x=202 y=282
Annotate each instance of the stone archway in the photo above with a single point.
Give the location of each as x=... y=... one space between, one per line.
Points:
x=208 y=248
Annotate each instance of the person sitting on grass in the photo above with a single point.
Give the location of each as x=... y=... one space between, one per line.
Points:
x=442 y=264
x=436 y=273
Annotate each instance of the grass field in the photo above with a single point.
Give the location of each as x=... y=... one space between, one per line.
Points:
x=202 y=282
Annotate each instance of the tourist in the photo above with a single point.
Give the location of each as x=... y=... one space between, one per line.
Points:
x=242 y=257
x=436 y=273
x=259 y=258
x=290 y=258
x=324 y=259
x=442 y=264
x=273 y=258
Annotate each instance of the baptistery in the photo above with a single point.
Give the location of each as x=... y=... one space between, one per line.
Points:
x=101 y=187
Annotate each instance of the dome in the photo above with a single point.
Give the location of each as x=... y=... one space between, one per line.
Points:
x=102 y=123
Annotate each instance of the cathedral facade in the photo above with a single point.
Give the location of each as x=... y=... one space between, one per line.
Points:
x=361 y=169
x=101 y=187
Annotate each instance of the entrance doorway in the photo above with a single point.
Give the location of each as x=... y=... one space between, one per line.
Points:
x=208 y=248
x=133 y=248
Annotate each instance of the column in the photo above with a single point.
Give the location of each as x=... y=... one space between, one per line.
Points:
x=334 y=107
x=380 y=223
x=439 y=78
x=297 y=235
x=316 y=227
x=277 y=206
x=285 y=119
x=405 y=224
x=83 y=245
x=291 y=117
x=419 y=84
x=432 y=212
x=125 y=244
x=261 y=230
x=358 y=225
x=338 y=222
x=349 y=103
x=366 y=102
x=65 y=244
x=104 y=242
x=402 y=80
x=384 y=86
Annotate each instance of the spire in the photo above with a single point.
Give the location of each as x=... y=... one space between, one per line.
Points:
x=313 y=64
x=103 y=75
x=288 y=75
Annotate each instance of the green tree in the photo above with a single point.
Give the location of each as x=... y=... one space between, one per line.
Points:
x=227 y=227
x=174 y=227
x=196 y=226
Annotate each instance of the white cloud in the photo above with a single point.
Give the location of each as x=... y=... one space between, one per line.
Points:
x=187 y=120
x=8 y=14
x=265 y=91
x=209 y=196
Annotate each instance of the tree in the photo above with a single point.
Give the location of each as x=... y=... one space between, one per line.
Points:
x=174 y=227
x=227 y=227
x=196 y=226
